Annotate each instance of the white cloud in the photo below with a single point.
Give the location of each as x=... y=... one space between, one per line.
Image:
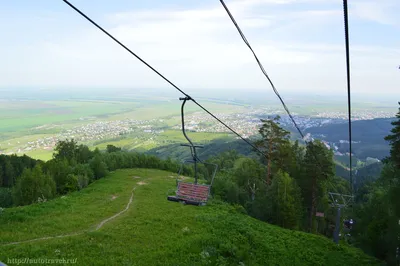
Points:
x=383 y=12
x=200 y=48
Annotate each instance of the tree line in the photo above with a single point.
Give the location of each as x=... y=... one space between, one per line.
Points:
x=24 y=180
x=377 y=208
x=287 y=185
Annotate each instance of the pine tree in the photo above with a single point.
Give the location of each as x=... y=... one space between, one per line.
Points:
x=275 y=144
x=394 y=140
x=318 y=168
x=378 y=210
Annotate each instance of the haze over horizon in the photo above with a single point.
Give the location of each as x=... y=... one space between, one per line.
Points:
x=301 y=44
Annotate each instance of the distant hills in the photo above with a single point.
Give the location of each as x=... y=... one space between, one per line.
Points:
x=368 y=137
x=211 y=148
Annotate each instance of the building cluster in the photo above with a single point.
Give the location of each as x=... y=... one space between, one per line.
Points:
x=246 y=124
x=357 y=115
x=99 y=130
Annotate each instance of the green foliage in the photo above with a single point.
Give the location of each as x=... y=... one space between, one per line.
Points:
x=275 y=144
x=366 y=174
x=211 y=149
x=9 y=176
x=33 y=184
x=248 y=174
x=5 y=197
x=59 y=169
x=154 y=231
x=370 y=133
x=394 y=140
x=285 y=201
x=289 y=191
x=225 y=160
x=71 y=183
x=83 y=181
x=373 y=223
x=83 y=154
x=11 y=168
x=98 y=166
x=112 y=148
x=342 y=186
x=226 y=189
x=377 y=209
x=72 y=152
x=1 y=176
x=318 y=168
x=66 y=150
x=84 y=170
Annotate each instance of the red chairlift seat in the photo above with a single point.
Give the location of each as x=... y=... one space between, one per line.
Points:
x=192 y=193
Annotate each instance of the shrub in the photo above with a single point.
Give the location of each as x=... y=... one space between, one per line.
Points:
x=71 y=183
x=32 y=185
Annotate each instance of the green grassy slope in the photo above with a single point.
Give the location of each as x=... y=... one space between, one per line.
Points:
x=154 y=231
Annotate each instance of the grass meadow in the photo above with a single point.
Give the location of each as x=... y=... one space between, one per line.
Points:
x=154 y=231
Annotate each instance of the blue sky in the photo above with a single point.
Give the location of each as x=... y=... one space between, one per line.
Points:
x=45 y=44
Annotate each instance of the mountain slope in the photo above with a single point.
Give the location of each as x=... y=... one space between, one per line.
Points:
x=154 y=231
x=175 y=151
x=212 y=148
x=369 y=135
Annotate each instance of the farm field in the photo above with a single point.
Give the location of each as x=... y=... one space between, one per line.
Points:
x=144 y=122
x=165 y=138
x=26 y=122
x=20 y=115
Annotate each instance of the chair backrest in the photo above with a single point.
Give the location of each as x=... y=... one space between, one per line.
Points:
x=195 y=192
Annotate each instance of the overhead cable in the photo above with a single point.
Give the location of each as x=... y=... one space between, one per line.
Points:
x=261 y=67
x=346 y=31
x=162 y=76
x=272 y=85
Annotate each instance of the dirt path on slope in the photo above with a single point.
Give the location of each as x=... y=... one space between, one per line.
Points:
x=116 y=215
x=100 y=225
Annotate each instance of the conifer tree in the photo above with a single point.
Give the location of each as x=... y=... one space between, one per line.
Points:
x=275 y=144
x=394 y=140
x=318 y=168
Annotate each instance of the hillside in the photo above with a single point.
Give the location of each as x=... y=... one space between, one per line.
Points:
x=154 y=231
x=217 y=146
x=369 y=135
x=211 y=148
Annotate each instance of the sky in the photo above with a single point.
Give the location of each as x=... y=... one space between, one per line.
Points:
x=46 y=44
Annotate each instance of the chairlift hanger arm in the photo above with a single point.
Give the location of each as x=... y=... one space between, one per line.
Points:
x=184 y=99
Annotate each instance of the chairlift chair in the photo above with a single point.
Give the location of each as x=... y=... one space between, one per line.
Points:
x=186 y=192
